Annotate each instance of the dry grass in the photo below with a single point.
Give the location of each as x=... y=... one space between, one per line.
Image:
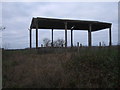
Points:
x=87 y=69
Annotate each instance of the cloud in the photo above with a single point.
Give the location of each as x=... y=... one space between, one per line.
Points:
x=17 y=17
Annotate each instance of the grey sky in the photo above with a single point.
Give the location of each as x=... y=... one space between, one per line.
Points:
x=17 y=16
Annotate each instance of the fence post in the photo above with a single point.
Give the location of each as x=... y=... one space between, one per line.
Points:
x=100 y=44
x=78 y=46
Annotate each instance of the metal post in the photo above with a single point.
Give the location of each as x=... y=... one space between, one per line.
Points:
x=65 y=34
x=110 y=37
x=89 y=35
x=52 y=37
x=30 y=38
x=71 y=38
x=36 y=36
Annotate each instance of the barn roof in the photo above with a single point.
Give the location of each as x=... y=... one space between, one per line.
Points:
x=52 y=23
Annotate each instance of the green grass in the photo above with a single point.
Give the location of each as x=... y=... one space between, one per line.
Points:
x=90 y=68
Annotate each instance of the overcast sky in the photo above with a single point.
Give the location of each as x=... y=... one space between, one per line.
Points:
x=17 y=16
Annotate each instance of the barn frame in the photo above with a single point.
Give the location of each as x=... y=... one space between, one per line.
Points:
x=67 y=24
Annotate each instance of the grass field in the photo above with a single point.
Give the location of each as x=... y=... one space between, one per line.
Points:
x=89 y=68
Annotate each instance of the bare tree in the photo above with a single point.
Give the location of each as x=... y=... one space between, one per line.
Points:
x=46 y=42
x=6 y=45
x=58 y=43
x=2 y=28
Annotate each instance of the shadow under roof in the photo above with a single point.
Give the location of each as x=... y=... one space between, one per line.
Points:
x=51 y=23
